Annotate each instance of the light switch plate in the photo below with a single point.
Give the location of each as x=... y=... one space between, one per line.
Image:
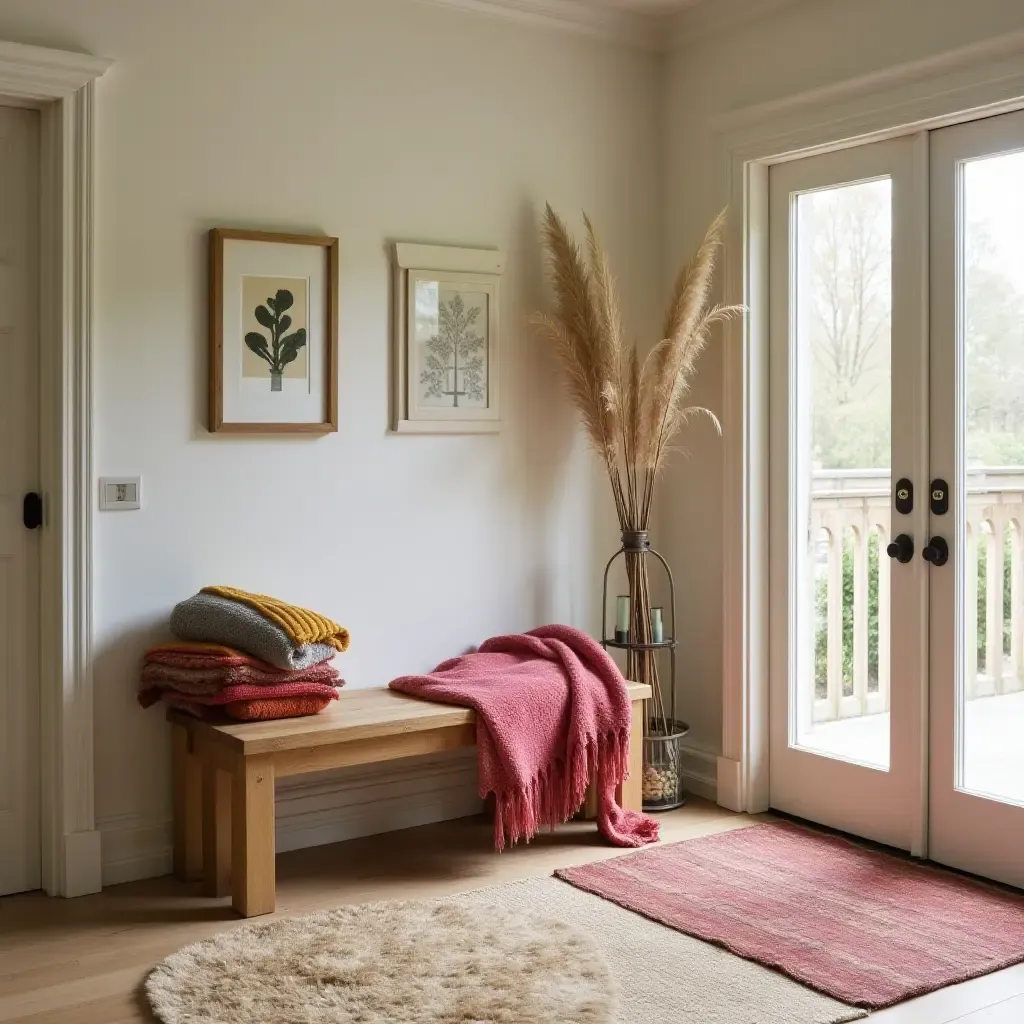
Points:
x=120 y=493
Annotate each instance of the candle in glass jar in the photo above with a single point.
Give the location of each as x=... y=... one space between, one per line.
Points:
x=657 y=626
x=622 y=617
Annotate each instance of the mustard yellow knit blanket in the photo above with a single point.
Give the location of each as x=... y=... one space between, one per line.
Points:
x=301 y=625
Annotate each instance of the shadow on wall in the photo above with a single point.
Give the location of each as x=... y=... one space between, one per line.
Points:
x=540 y=439
x=117 y=662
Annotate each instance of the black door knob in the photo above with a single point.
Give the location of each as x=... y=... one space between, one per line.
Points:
x=902 y=549
x=936 y=551
x=32 y=511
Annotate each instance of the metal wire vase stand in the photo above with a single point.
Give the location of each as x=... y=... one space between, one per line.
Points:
x=663 y=731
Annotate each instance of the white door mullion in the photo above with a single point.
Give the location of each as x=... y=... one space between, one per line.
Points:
x=908 y=696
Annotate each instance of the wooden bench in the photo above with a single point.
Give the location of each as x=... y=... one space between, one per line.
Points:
x=224 y=776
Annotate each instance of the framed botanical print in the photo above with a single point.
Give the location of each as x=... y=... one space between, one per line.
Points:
x=273 y=332
x=447 y=320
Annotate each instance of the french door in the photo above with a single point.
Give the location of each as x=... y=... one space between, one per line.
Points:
x=976 y=782
x=847 y=413
x=897 y=492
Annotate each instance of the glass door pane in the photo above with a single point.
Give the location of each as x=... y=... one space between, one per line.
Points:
x=976 y=741
x=843 y=306
x=846 y=620
x=991 y=695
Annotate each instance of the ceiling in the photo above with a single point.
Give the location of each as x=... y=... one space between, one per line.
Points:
x=649 y=6
x=649 y=24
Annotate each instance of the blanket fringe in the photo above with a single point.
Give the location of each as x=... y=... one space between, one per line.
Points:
x=557 y=792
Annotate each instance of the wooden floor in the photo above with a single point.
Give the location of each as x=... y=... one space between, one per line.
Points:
x=83 y=961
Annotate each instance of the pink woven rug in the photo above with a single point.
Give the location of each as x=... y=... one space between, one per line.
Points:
x=865 y=927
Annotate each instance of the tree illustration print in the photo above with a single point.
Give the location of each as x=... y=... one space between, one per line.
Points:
x=281 y=348
x=455 y=363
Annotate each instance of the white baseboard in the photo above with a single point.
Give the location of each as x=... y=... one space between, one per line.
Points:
x=326 y=808
x=331 y=807
x=135 y=846
x=699 y=771
x=335 y=806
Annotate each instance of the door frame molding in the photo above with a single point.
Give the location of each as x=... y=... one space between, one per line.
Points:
x=60 y=85
x=978 y=80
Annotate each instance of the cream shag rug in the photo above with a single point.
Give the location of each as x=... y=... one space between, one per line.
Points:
x=387 y=962
x=491 y=956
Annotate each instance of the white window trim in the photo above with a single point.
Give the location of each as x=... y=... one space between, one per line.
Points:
x=60 y=84
x=979 y=80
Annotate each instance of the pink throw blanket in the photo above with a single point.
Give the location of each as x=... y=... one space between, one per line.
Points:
x=553 y=714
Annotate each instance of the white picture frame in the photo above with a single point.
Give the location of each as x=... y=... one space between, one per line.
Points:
x=446 y=340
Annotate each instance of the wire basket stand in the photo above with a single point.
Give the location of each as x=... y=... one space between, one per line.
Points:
x=663 y=731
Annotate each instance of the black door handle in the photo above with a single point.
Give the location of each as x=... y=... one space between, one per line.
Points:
x=936 y=552
x=902 y=549
x=32 y=511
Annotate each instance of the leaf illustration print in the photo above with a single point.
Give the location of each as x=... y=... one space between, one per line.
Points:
x=281 y=348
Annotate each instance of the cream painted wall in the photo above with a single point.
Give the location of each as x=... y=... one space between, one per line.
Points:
x=804 y=46
x=377 y=120
x=371 y=120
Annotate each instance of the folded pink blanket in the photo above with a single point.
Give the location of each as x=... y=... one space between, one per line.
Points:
x=230 y=694
x=267 y=691
x=255 y=673
x=553 y=714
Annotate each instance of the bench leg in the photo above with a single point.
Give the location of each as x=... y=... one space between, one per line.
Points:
x=252 y=837
x=188 y=806
x=631 y=791
x=216 y=830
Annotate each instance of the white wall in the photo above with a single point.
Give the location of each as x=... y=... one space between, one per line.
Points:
x=804 y=46
x=371 y=120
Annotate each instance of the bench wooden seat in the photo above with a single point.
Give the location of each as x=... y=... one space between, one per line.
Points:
x=224 y=776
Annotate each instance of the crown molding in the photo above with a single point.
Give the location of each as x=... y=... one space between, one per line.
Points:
x=995 y=62
x=36 y=73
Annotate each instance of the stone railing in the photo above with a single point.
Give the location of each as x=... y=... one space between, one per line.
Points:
x=850 y=509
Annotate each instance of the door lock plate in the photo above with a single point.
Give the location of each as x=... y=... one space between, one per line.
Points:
x=940 y=497
x=903 y=497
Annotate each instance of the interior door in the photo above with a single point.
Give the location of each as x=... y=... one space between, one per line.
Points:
x=848 y=415
x=19 y=473
x=977 y=432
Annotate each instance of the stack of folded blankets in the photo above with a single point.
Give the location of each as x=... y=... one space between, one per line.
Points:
x=246 y=655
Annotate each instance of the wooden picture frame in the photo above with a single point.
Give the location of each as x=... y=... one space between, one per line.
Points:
x=300 y=369
x=447 y=306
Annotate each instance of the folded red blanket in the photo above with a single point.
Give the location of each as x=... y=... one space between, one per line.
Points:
x=255 y=710
x=553 y=714
x=229 y=694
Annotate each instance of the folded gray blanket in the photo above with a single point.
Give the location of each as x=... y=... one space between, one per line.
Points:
x=216 y=620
